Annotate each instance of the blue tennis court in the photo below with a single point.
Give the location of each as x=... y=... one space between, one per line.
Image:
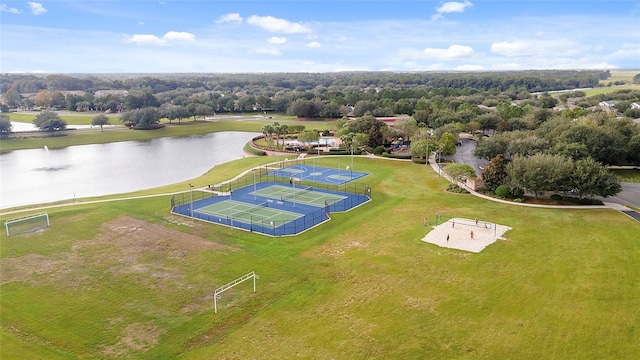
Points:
x=270 y=208
x=302 y=172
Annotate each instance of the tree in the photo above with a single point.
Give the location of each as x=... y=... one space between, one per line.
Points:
x=364 y=107
x=359 y=140
x=141 y=118
x=100 y=120
x=419 y=148
x=308 y=136
x=447 y=144
x=71 y=100
x=591 y=178
x=459 y=172
x=633 y=153
x=58 y=100
x=540 y=173
x=43 y=99
x=507 y=111
x=5 y=124
x=12 y=98
x=527 y=146
x=408 y=128
x=331 y=111
x=138 y=99
x=49 y=121
x=367 y=124
x=488 y=121
x=632 y=113
x=305 y=108
x=547 y=101
x=495 y=173
x=488 y=148
x=203 y=110
x=473 y=126
x=281 y=131
x=268 y=131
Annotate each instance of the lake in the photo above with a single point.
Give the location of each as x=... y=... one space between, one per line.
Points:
x=36 y=176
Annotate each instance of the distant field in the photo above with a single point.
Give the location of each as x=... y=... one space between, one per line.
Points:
x=631 y=175
x=128 y=280
x=620 y=75
x=187 y=127
x=609 y=89
x=70 y=119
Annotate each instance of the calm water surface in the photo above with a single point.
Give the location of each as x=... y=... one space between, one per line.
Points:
x=44 y=175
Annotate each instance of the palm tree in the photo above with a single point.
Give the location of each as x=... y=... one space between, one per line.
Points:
x=268 y=131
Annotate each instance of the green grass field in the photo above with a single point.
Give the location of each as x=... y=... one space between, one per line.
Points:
x=82 y=137
x=628 y=175
x=620 y=75
x=362 y=286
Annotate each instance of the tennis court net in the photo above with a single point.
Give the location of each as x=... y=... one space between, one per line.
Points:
x=234 y=214
x=297 y=192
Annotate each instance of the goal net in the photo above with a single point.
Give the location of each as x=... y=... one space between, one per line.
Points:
x=27 y=224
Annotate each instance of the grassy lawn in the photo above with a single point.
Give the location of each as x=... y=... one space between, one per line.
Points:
x=620 y=75
x=363 y=286
x=95 y=136
x=609 y=89
x=628 y=175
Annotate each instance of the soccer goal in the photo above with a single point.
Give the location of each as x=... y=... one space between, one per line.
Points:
x=217 y=293
x=27 y=224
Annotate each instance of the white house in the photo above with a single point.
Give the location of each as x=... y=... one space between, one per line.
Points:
x=608 y=105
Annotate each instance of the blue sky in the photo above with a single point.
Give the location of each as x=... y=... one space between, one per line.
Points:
x=316 y=36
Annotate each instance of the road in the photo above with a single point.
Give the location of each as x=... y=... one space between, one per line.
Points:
x=630 y=194
x=464 y=154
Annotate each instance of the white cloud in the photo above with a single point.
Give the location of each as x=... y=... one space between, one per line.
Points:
x=314 y=44
x=277 y=40
x=171 y=36
x=470 y=68
x=450 y=7
x=12 y=10
x=143 y=39
x=140 y=22
x=628 y=51
x=36 y=8
x=511 y=48
x=537 y=48
x=268 y=51
x=276 y=25
x=179 y=36
x=452 y=52
x=342 y=38
x=234 y=18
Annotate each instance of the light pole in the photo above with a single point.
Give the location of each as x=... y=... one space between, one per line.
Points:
x=339 y=180
x=428 y=153
x=351 y=158
x=254 y=184
x=191 y=200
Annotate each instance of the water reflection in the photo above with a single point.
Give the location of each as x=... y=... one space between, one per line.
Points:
x=45 y=175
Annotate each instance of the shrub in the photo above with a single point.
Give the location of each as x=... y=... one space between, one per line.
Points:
x=378 y=150
x=502 y=191
x=418 y=160
x=517 y=192
x=251 y=150
x=395 y=156
x=556 y=197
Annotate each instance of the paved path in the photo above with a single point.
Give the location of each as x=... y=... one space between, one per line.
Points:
x=432 y=163
x=615 y=204
x=464 y=154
